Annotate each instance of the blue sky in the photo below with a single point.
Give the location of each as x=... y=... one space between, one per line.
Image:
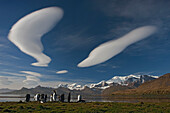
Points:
x=85 y=25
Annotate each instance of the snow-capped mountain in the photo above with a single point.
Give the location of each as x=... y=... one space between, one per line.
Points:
x=130 y=80
x=101 y=85
x=72 y=86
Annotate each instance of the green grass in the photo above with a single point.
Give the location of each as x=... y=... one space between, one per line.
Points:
x=93 y=107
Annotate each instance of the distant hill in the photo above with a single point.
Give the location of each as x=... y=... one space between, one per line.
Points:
x=160 y=85
x=4 y=90
x=61 y=90
x=35 y=90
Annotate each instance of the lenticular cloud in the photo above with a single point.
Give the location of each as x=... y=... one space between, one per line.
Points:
x=62 y=72
x=31 y=80
x=110 y=49
x=27 y=32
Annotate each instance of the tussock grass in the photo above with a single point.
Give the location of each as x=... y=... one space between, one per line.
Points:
x=91 y=107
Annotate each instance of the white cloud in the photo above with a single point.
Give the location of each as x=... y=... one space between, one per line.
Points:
x=31 y=81
x=19 y=80
x=62 y=72
x=110 y=49
x=27 y=32
x=31 y=73
x=32 y=78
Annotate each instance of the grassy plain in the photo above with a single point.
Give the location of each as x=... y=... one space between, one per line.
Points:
x=91 y=107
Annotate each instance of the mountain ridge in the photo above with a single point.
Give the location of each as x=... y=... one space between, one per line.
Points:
x=114 y=84
x=160 y=85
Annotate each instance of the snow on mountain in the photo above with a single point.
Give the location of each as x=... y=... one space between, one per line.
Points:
x=130 y=80
x=63 y=85
x=72 y=86
x=122 y=79
x=100 y=85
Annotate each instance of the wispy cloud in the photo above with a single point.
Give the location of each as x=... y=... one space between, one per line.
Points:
x=145 y=73
x=2 y=45
x=11 y=82
x=114 y=67
x=27 y=32
x=143 y=8
x=9 y=56
x=110 y=49
x=101 y=71
x=11 y=73
x=108 y=65
x=31 y=73
x=17 y=82
x=73 y=40
x=62 y=72
x=4 y=80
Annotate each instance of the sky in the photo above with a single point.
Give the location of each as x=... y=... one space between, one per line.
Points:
x=82 y=26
